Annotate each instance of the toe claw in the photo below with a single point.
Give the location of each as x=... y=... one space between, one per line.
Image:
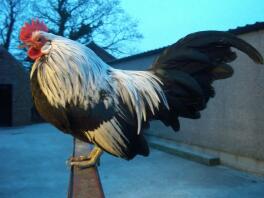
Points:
x=86 y=161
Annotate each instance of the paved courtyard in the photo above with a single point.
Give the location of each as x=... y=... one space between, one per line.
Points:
x=163 y=175
x=33 y=162
x=33 y=165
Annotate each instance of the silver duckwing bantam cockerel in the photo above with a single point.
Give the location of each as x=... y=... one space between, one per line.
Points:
x=77 y=92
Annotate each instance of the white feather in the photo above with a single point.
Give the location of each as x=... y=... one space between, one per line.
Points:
x=71 y=72
x=110 y=137
x=139 y=89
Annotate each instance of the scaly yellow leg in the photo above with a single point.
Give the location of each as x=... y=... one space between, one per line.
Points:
x=87 y=161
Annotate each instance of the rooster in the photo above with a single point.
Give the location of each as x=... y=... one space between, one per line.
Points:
x=81 y=95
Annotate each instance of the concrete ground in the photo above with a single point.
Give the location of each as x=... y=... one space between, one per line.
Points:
x=33 y=162
x=33 y=165
x=163 y=175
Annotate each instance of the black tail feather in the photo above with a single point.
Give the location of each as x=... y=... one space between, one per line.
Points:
x=189 y=67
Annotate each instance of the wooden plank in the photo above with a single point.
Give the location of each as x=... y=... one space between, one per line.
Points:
x=84 y=183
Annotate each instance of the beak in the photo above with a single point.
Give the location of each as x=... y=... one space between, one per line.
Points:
x=26 y=44
x=22 y=46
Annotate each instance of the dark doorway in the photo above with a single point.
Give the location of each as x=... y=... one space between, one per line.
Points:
x=5 y=105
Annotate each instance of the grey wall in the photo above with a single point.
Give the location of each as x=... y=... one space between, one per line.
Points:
x=11 y=72
x=141 y=63
x=233 y=121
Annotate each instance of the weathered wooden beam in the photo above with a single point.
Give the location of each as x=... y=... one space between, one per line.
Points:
x=84 y=183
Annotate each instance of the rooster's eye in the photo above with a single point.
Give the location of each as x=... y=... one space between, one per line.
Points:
x=39 y=39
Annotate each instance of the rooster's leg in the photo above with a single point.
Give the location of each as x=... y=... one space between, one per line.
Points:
x=87 y=161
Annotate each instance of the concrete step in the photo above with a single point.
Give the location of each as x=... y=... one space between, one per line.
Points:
x=183 y=151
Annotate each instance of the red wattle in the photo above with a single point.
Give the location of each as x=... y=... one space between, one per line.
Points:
x=34 y=53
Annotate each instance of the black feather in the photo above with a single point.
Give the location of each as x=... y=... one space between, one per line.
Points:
x=189 y=67
x=75 y=120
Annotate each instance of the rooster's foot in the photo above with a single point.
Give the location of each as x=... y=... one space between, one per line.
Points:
x=92 y=159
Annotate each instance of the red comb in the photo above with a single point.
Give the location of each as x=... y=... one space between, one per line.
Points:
x=29 y=28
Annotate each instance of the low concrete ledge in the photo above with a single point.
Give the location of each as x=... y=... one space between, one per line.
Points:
x=182 y=151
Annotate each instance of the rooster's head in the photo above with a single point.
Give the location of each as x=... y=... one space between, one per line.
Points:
x=30 y=35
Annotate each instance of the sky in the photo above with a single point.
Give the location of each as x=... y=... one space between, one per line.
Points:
x=163 y=22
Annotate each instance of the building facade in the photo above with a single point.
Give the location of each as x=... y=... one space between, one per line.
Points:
x=15 y=97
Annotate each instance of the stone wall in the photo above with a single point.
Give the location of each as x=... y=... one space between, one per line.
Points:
x=11 y=72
